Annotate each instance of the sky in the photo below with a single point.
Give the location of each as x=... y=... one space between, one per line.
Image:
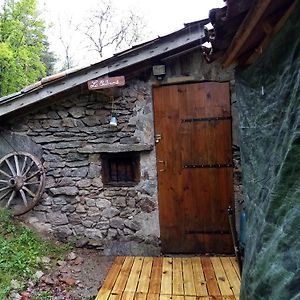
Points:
x=160 y=16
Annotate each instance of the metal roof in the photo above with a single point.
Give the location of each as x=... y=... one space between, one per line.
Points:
x=190 y=35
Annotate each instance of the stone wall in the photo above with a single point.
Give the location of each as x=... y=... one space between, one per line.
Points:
x=75 y=206
x=71 y=135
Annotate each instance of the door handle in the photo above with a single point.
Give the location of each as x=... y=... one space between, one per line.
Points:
x=165 y=164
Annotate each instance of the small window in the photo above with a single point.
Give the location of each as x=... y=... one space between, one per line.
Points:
x=121 y=169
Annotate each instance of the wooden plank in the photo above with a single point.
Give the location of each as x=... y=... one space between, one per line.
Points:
x=115 y=296
x=177 y=277
x=121 y=281
x=156 y=274
x=199 y=279
x=235 y=266
x=106 y=82
x=177 y=297
x=134 y=275
x=222 y=280
x=110 y=279
x=233 y=278
x=128 y=296
x=274 y=29
x=103 y=294
x=190 y=297
x=140 y=296
x=211 y=281
x=188 y=277
x=165 y=297
x=152 y=296
x=166 y=104
x=144 y=281
x=166 y=279
x=113 y=272
x=244 y=31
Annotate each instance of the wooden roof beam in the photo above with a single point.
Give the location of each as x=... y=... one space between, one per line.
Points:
x=245 y=30
x=270 y=34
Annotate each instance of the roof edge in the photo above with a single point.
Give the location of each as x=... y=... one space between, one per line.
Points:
x=60 y=82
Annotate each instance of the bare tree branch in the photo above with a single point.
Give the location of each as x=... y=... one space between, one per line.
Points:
x=107 y=26
x=65 y=38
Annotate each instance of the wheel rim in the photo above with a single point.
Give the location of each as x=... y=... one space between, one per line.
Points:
x=22 y=181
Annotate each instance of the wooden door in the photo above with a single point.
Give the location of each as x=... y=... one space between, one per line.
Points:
x=194 y=164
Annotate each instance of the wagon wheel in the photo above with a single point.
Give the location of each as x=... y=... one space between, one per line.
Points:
x=22 y=181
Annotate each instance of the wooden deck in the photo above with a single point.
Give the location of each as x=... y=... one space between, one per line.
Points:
x=164 y=278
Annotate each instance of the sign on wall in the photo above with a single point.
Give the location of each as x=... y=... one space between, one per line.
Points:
x=106 y=82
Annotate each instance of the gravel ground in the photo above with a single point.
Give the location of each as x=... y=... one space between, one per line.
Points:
x=78 y=277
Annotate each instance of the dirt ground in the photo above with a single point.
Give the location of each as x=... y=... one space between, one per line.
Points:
x=78 y=276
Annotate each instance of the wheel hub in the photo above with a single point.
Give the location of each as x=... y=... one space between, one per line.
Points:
x=16 y=182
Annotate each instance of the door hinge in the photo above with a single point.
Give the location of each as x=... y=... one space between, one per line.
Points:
x=205 y=119
x=194 y=166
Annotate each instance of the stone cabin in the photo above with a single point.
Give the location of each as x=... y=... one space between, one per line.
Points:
x=159 y=181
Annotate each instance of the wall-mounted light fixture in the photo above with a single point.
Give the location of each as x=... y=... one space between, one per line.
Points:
x=113 y=121
x=159 y=71
x=113 y=118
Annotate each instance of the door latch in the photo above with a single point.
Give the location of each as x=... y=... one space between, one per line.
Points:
x=165 y=164
x=158 y=137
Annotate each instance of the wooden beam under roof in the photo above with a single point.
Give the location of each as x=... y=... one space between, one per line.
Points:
x=245 y=30
x=271 y=32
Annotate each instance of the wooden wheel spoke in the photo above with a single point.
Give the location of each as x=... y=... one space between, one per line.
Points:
x=24 y=198
x=5 y=188
x=28 y=168
x=10 y=199
x=13 y=172
x=4 y=195
x=32 y=194
x=3 y=181
x=32 y=182
x=5 y=174
x=24 y=164
x=17 y=164
x=33 y=175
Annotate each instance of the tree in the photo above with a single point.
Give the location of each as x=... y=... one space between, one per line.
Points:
x=48 y=58
x=21 y=45
x=107 y=26
x=67 y=41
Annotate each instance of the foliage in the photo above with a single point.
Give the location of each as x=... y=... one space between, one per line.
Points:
x=48 y=58
x=21 y=45
x=20 y=253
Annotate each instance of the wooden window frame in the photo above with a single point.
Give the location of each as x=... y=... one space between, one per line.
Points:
x=114 y=161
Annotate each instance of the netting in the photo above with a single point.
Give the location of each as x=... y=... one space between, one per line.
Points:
x=269 y=106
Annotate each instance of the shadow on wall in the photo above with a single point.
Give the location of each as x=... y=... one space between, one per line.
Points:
x=13 y=142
